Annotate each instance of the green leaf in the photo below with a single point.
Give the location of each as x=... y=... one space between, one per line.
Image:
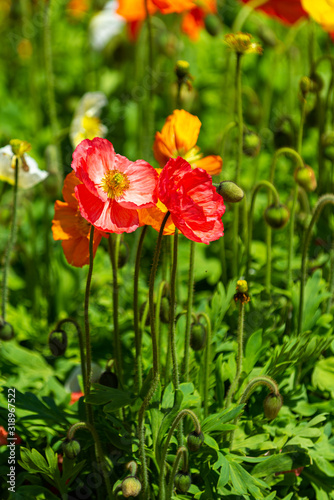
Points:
x=224 y=474
x=167 y=422
x=214 y=423
x=253 y=351
x=323 y=374
x=237 y=480
x=209 y=441
x=115 y=398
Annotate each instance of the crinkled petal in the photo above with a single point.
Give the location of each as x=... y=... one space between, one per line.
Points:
x=143 y=180
x=27 y=179
x=76 y=250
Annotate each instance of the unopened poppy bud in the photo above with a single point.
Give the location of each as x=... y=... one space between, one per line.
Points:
x=230 y=192
x=242 y=43
x=212 y=24
x=272 y=405
x=71 y=448
x=131 y=487
x=123 y=254
x=195 y=441
x=305 y=177
x=251 y=144
x=164 y=310
x=197 y=336
x=277 y=216
x=306 y=85
x=182 y=69
x=57 y=342
x=242 y=286
x=327 y=142
x=182 y=482
x=6 y=331
x=109 y=379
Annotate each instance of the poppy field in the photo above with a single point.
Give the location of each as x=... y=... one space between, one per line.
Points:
x=167 y=249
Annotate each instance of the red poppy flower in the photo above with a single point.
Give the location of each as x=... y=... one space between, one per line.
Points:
x=113 y=187
x=69 y=226
x=196 y=208
x=193 y=21
x=75 y=396
x=4 y=435
x=288 y=11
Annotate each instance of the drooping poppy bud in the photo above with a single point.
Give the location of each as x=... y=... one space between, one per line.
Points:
x=182 y=482
x=195 y=441
x=71 y=448
x=230 y=192
x=6 y=331
x=109 y=379
x=57 y=342
x=272 y=405
x=251 y=143
x=212 y=24
x=277 y=216
x=305 y=177
x=197 y=336
x=131 y=487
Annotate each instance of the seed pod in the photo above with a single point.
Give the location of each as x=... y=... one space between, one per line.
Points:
x=182 y=482
x=164 y=310
x=305 y=177
x=212 y=24
x=197 y=336
x=195 y=441
x=71 y=448
x=327 y=141
x=251 y=144
x=230 y=192
x=272 y=405
x=123 y=254
x=109 y=379
x=6 y=331
x=57 y=342
x=277 y=216
x=131 y=487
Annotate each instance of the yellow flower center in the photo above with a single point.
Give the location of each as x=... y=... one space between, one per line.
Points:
x=192 y=155
x=114 y=183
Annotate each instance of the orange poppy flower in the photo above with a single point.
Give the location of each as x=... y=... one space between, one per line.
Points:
x=134 y=10
x=154 y=216
x=69 y=226
x=193 y=21
x=178 y=137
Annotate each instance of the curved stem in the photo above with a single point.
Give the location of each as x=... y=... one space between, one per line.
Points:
x=207 y=363
x=81 y=345
x=176 y=422
x=10 y=242
x=284 y=151
x=322 y=202
x=182 y=454
x=189 y=311
x=240 y=339
x=273 y=190
x=113 y=244
x=138 y=361
x=98 y=450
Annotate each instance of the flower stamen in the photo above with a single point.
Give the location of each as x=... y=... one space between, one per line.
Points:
x=114 y=183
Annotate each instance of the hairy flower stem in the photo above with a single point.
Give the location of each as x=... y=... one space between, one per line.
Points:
x=240 y=339
x=189 y=311
x=295 y=198
x=138 y=360
x=282 y=151
x=154 y=333
x=272 y=190
x=87 y=332
x=81 y=345
x=207 y=362
x=178 y=419
x=98 y=451
x=181 y=455
x=157 y=319
x=322 y=202
x=10 y=244
x=113 y=244
x=235 y=241
x=250 y=388
x=141 y=434
x=176 y=378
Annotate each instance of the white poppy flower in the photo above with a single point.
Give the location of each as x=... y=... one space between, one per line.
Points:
x=105 y=25
x=86 y=123
x=26 y=179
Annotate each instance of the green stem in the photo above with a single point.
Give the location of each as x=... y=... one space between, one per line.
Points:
x=245 y=12
x=11 y=241
x=138 y=361
x=273 y=190
x=182 y=454
x=87 y=332
x=322 y=202
x=151 y=298
x=250 y=388
x=189 y=311
x=235 y=261
x=179 y=417
x=207 y=363
x=176 y=380
x=113 y=243
x=157 y=319
x=230 y=126
x=98 y=450
x=240 y=339
x=81 y=345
